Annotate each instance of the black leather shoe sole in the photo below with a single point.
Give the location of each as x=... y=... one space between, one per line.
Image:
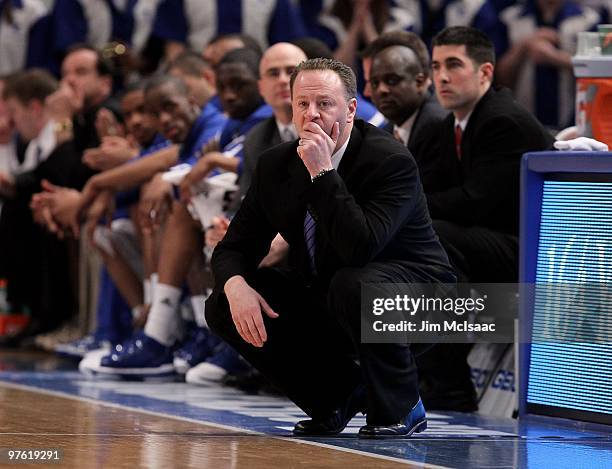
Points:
x=336 y=422
x=392 y=431
x=310 y=428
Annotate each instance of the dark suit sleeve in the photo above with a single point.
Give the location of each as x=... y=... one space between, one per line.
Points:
x=253 y=146
x=57 y=169
x=247 y=240
x=359 y=227
x=495 y=159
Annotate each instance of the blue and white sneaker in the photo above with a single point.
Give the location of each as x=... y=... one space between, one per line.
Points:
x=90 y=363
x=141 y=358
x=80 y=347
x=200 y=345
x=224 y=362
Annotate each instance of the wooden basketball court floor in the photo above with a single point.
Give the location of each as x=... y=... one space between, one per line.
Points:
x=46 y=404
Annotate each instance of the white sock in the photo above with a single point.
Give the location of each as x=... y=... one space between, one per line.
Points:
x=163 y=323
x=137 y=311
x=187 y=312
x=154 y=277
x=147 y=291
x=197 y=303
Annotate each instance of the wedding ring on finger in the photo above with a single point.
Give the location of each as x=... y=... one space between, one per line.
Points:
x=153 y=214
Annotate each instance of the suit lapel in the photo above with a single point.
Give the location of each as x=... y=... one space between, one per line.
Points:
x=416 y=127
x=349 y=159
x=348 y=164
x=468 y=139
x=274 y=135
x=298 y=175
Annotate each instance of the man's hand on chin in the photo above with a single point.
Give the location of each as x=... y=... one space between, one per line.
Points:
x=246 y=306
x=316 y=147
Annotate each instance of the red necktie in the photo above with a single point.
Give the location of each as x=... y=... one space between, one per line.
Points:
x=458 y=134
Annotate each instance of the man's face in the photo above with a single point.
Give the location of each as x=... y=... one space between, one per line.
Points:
x=6 y=124
x=319 y=97
x=397 y=91
x=275 y=70
x=457 y=79
x=237 y=90
x=137 y=122
x=24 y=117
x=172 y=111
x=213 y=53
x=80 y=73
x=199 y=87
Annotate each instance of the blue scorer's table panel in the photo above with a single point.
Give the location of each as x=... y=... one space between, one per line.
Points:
x=571 y=364
x=565 y=353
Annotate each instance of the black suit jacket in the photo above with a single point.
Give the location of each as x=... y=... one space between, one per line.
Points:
x=64 y=166
x=372 y=209
x=424 y=141
x=482 y=189
x=58 y=169
x=260 y=138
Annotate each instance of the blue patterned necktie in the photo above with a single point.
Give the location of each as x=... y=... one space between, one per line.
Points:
x=309 y=236
x=38 y=154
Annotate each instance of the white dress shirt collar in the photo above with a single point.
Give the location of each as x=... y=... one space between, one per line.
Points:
x=463 y=122
x=403 y=131
x=39 y=148
x=337 y=157
x=286 y=131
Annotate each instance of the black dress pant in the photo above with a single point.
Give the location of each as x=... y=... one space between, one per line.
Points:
x=478 y=254
x=36 y=266
x=314 y=351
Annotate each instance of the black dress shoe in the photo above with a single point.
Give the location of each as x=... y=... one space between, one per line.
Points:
x=414 y=422
x=337 y=421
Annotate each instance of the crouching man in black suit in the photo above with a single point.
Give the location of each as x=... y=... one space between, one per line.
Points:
x=348 y=200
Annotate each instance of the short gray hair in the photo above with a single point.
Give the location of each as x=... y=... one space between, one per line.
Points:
x=344 y=72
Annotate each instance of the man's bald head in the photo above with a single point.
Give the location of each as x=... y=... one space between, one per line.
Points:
x=275 y=69
x=280 y=51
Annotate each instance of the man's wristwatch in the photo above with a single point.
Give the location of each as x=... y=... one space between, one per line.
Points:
x=65 y=125
x=63 y=130
x=320 y=173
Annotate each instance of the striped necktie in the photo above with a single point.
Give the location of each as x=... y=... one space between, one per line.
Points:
x=310 y=228
x=38 y=154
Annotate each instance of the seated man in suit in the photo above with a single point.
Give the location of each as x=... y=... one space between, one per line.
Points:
x=476 y=211
x=275 y=68
x=399 y=83
x=347 y=199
